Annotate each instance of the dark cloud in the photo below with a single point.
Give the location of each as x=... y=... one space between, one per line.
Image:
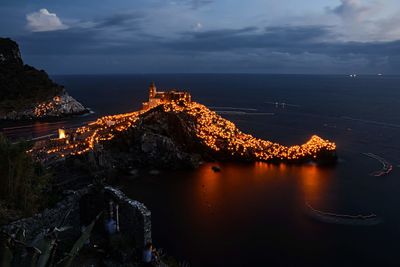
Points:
x=304 y=49
x=352 y=10
x=298 y=33
x=195 y=4
x=71 y=41
x=86 y=37
x=289 y=39
x=86 y=42
x=121 y=20
x=219 y=33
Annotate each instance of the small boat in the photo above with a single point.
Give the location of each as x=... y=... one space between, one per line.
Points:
x=333 y=218
x=216 y=168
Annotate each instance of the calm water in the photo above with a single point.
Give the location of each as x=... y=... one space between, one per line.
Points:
x=253 y=214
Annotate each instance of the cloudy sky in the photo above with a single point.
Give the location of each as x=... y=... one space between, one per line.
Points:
x=206 y=36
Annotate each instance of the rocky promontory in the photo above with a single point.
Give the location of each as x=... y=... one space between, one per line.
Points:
x=172 y=136
x=28 y=93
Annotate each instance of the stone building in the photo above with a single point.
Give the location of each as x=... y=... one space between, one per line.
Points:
x=156 y=98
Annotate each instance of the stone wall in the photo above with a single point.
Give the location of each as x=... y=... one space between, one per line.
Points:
x=51 y=218
x=134 y=217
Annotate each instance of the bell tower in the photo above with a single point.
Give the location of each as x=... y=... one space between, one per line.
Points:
x=152 y=90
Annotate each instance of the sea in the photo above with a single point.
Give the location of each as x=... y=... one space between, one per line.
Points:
x=257 y=214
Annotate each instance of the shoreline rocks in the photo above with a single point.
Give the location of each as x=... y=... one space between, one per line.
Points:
x=58 y=107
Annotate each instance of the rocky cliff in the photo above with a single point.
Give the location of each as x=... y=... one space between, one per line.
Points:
x=159 y=140
x=176 y=136
x=28 y=93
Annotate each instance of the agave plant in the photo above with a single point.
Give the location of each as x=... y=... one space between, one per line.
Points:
x=6 y=255
x=42 y=249
x=69 y=259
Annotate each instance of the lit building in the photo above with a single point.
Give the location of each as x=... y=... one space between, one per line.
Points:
x=157 y=98
x=61 y=134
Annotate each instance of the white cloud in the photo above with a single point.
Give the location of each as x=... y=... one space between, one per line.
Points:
x=354 y=10
x=44 y=21
x=366 y=21
x=197 y=27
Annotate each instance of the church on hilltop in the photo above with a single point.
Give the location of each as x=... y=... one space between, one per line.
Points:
x=156 y=98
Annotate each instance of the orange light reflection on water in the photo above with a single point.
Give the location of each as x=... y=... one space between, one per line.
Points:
x=208 y=188
x=262 y=168
x=315 y=184
x=45 y=128
x=40 y=127
x=238 y=182
x=235 y=182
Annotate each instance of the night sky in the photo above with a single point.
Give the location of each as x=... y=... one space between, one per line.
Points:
x=206 y=36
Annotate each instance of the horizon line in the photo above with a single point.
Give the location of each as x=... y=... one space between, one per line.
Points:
x=222 y=73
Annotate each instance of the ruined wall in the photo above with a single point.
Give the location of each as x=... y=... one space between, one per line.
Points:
x=135 y=218
x=51 y=218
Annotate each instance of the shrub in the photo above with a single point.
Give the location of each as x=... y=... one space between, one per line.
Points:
x=22 y=181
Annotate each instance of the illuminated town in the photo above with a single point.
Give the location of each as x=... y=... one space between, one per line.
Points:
x=214 y=132
x=44 y=108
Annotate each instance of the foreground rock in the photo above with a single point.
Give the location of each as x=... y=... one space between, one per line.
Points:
x=28 y=93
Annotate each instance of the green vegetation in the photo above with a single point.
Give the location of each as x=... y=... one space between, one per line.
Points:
x=22 y=181
x=22 y=86
x=42 y=252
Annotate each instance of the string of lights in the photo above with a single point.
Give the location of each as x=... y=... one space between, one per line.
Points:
x=216 y=133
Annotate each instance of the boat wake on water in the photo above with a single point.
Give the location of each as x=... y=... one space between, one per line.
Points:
x=34 y=132
x=344 y=219
x=225 y=112
x=378 y=123
x=386 y=166
x=232 y=108
x=31 y=126
x=240 y=111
